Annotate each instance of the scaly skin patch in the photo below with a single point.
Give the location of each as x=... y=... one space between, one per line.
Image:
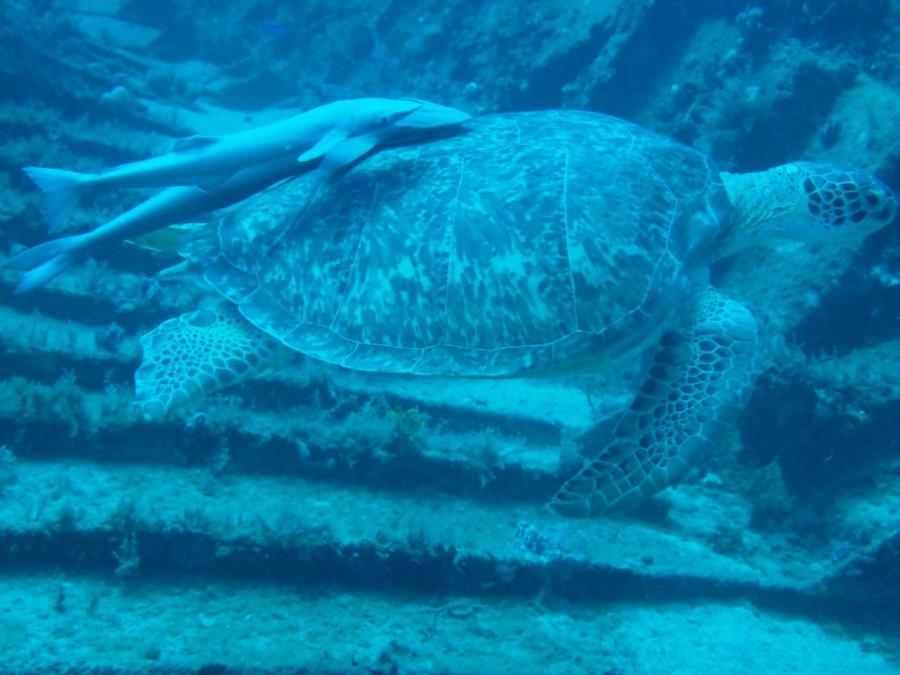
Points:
x=195 y=354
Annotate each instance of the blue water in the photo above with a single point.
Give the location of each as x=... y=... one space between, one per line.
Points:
x=473 y=335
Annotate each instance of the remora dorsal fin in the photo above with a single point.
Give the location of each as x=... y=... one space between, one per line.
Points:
x=193 y=142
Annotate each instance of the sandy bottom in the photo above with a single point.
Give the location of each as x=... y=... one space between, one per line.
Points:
x=48 y=622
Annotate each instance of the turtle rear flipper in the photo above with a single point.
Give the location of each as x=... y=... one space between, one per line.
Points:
x=700 y=379
x=189 y=357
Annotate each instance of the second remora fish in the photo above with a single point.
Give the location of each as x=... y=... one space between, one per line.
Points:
x=206 y=161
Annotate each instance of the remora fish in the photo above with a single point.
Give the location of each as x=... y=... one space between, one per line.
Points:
x=45 y=261
x=206 y=161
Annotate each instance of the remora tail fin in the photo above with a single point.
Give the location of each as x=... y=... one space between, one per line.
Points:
x=45 y=261
x=42 y=274
x=61 y=189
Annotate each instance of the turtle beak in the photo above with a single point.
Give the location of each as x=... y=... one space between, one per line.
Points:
x=879 y=193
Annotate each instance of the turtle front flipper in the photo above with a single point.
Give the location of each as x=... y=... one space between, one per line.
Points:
x=700 y=379
x=189 y=357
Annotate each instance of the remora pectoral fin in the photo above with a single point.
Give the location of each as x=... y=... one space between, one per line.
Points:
x=344 y=154
x=193 y=142
x=325 y=144
x=167 y=239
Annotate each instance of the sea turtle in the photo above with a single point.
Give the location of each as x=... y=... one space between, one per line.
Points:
x=536 y=243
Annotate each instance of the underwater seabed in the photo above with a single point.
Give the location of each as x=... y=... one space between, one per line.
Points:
x=134 y=567
x=336 y=521
x=234 y=627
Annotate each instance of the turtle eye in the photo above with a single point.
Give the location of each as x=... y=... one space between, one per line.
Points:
x=886 y=214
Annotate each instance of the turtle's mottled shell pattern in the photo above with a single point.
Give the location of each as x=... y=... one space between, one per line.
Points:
x=531 y=241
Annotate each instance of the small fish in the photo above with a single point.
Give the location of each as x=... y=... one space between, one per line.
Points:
x=274 y=31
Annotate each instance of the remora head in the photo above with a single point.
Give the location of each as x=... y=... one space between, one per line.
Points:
x=373 y=114
x=424 y=122
x=416 y=121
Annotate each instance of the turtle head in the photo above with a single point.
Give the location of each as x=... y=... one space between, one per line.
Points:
x=840 y=203
x=806 y=201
